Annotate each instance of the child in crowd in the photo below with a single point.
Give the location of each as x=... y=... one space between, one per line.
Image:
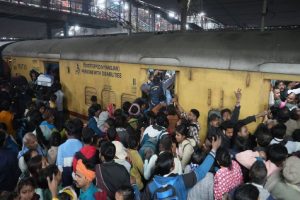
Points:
x=25 y=189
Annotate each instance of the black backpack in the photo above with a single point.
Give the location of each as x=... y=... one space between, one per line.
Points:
x=166 y=191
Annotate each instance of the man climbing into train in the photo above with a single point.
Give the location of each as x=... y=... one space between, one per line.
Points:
x=156 y=89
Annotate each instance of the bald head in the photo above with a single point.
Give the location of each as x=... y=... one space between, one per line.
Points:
x=291 y=98
x=30 y=141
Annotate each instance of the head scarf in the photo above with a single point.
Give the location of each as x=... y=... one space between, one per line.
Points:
x=89 y=174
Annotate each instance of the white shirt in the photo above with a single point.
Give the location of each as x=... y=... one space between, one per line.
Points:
x=290 y=145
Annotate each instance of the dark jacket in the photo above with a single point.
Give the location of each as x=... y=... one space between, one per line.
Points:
x=9 y=170
x=110 y=176
x=92 y=124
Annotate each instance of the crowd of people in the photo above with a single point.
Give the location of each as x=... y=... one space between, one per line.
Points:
x=147 y=149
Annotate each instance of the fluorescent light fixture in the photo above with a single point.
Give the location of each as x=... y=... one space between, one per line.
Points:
x=171 y=14
x=202 y=14
x=126 y=6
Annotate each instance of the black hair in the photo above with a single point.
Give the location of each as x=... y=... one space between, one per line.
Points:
x=246 y=192
x=108 y=151
x=294 y=115
x=3 y=126
x=198 y=156
x=93 y=109
x=5 y=105
x=196 y=113
x=277 y=154
x=27 y=155
x=53 y=97
x=227 y=125
x=93 y=98
x=64 y=196
x=223 y=157
x=225 y=111
x=164 y=163
x=156 y=80
x=120 y=121
x=213 y=133
x=118 y=113
x=283 y=115
x=2 y=138
x=49 y=171
x=166 y=143
x=183 y=130
x=55 y=139
x=171 y=109
x=238 y=126
x=242 y=143
x=127 y=192
x=258 y=173
x=74 y=127
x=25 y=181
x=263 y=137
x=35 y=165
x=112 y=134
x=140 y=101
x=213 y=117
x=111 y=122
x=162 y=120
x=274 y=111
x=35 y=118
x=132 y=141
x=174 y=141
x=126 y=105
x=40 y=104
x=87 y=135
x=296 y=135
x=278 y=131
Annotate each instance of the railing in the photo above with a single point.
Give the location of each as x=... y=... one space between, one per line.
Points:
x=85 y=8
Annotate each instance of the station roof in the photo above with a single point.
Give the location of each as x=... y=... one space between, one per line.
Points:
x=241 y=13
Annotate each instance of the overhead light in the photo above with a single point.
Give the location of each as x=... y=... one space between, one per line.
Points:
x=158 y=16
x=171 y=14
x=147 y=11
x=116 y=2
x=202 y=14
x=126 y=6
x=101 y=4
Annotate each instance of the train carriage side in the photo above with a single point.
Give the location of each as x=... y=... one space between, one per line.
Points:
x=209 y=67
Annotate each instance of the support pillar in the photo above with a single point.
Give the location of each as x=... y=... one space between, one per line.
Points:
x=66 y=29
x=49 y=31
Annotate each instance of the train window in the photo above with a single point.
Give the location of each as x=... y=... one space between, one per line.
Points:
x=108 y=97
x=164 y=78
x=284 y=93
x=52 y=68
x=127 y=97
x=89 y=92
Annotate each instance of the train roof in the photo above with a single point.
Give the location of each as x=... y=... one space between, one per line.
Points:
x=269 y=51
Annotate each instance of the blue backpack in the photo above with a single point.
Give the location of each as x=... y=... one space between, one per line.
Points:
x=166 y=191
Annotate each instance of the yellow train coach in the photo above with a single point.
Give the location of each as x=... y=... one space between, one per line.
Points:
x=209 y=66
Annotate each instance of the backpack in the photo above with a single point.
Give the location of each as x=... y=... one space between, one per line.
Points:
x=166 y=191
x=156 y=94
x=152 y=143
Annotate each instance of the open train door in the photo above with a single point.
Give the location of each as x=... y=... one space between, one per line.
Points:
x=168 y=80
x=52 y=69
